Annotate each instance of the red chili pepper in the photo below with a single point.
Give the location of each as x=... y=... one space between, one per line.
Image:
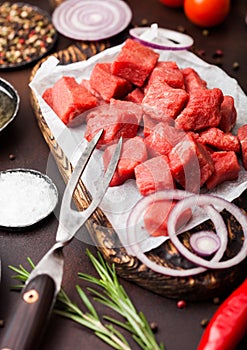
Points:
x=229 y=323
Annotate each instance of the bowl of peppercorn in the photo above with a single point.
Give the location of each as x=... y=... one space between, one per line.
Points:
x=9 y=103
x=27 y=34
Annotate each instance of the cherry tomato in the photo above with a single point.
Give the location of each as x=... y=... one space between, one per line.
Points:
x=173 y=3
x=206 y=13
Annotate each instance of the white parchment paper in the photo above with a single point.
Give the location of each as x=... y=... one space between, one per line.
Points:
x=119 y=200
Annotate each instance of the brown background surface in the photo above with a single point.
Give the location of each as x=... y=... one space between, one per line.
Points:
x=177 y=329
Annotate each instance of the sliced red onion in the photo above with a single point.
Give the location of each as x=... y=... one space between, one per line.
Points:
x=91 y=19
x=187 y=200
x=161 y=38
x=135 y=226
x=205 y=243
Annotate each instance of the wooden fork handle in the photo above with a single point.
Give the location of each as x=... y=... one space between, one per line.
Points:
x=30 y=316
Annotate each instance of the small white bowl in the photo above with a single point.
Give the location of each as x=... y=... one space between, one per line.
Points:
x=27 y=197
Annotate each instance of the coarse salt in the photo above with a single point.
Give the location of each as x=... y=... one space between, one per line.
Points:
x=26 y=197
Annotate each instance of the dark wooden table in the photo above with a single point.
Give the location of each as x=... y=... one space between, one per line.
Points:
x=177 y=328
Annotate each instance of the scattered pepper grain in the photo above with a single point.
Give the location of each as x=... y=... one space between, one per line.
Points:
x=216 y=301
x=235 y=65
x=181 y=29
x=144 y=22
x=200 y=52
x=154 y=327
x=218 y=61
x=204 y=322
x=11 y=157
x=181 y=304
x=205 y=32
x=218 y=53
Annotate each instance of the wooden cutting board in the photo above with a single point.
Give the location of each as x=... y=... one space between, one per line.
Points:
x=207 y=285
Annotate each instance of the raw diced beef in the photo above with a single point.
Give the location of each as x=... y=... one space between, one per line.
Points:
x=47 y=96
x=191 y=164
x=226 y=167
x=218 y=139
x=228 y=114
x=156 y=216
x=133 y=153
x=166 y=100
x=115 y=121
x=135 y=96
x=153 y=175
x=128 y=106
x=162 y=139
x=106 y=84
x=156 y=116
x=192 y=80
x=70 y=99
x=135 y=62
x=148 y=125
x=205 y=162
x=242 y=136
x=202 y=110
x=166 y=72
x=87 y=85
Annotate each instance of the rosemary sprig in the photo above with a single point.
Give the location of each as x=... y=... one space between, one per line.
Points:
x=65 y=307
x=113 y=296
x=116 y=298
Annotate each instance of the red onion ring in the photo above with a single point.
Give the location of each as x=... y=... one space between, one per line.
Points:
x=165 y=40
x=205 y=243
x=220 y=203
x=186 y=199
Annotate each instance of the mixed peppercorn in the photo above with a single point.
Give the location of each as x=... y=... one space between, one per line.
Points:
x=26 y=34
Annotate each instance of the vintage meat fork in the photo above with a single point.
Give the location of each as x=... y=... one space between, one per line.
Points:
x=44 y=282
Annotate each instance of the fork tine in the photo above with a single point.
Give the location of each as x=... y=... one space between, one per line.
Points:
x=79 y=168
x=82 y=216
x=104 y=183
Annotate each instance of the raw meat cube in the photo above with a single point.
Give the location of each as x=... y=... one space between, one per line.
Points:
x=47 y=96
x=149 y=122
x=132 y=107
x=162 y=139
x=226 y=167
x=116 y=121
x=192 y=80
x=153 y=175
x=106 y=84
x=148 y=125
x=70 y=99
x=135 y=96
x=166 y=72
x=133 y=153
x=191 y=164
x=156 y=216
x=86 y=84
x=242 y=136
x=218 y=139
x=135 y=62
x=228 y=114
x=166 y=100
x=202 y=110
